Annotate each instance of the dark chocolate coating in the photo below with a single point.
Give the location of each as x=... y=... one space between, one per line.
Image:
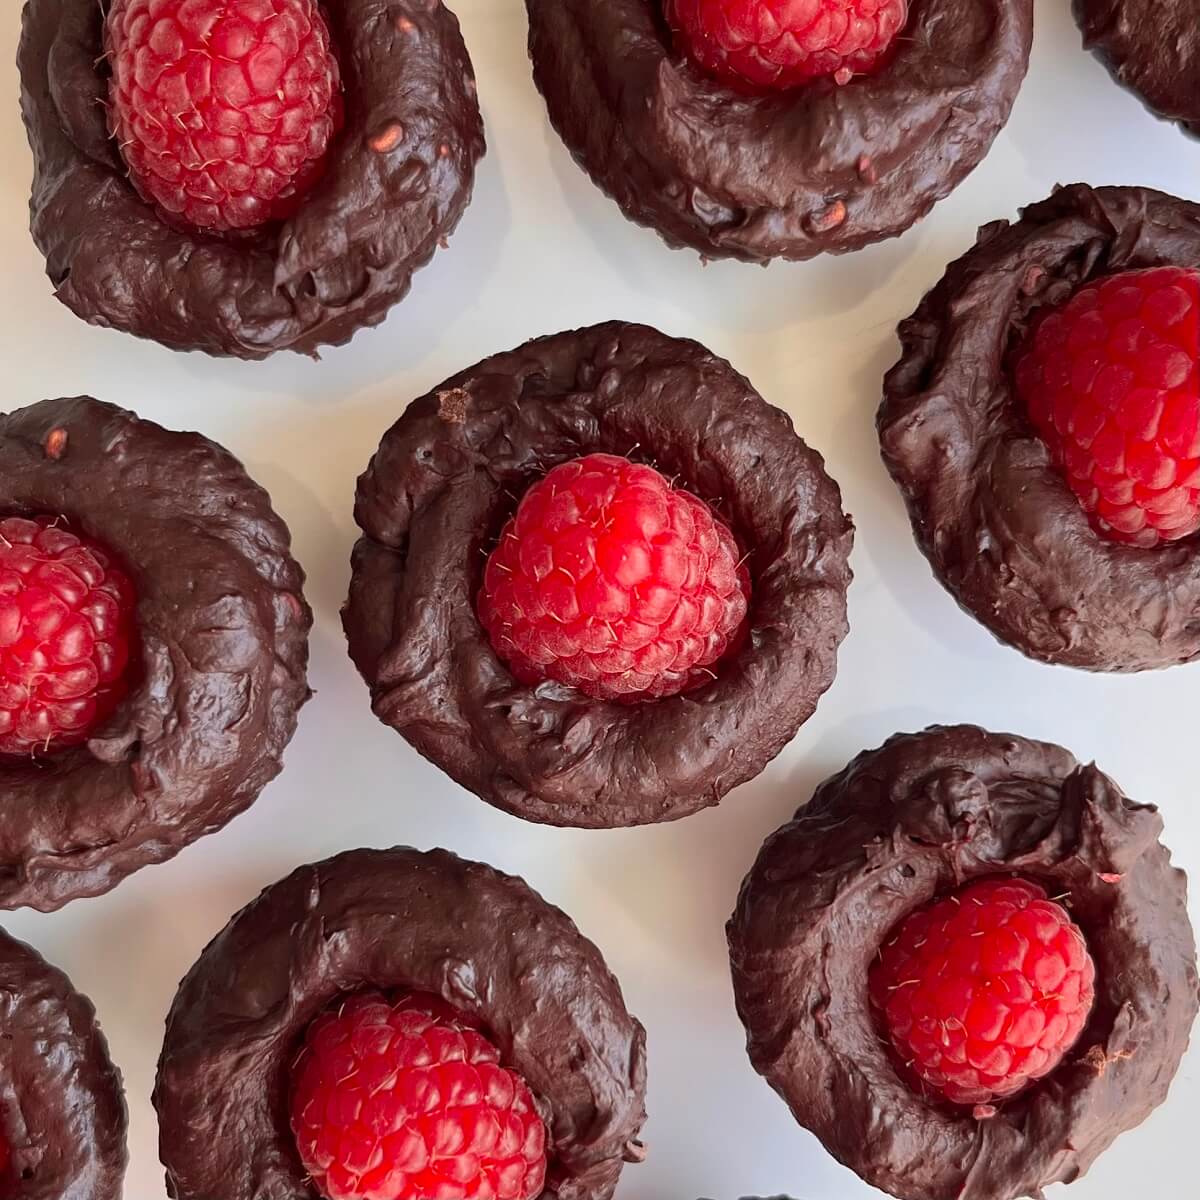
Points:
x=62 y=1111
x=223 y=630
x=990 y=510
x=787 y=175
x=445 y=477
x=1152 y=48
x=897 y=827
x=338 y=265
x=426 y=922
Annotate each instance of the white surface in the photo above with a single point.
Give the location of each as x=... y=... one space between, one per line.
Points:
x=539 y=250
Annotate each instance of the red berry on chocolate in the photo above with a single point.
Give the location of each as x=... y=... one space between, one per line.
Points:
x=224 y=109
x=1111 y=381
x=614 y=581
x=403 y=1098
x=771 y=45
x=985 y=990
x=66 y=629
x=5 y=1156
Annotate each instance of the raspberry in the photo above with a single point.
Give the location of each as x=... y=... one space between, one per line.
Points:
x=613 y=581
x=66 y=627
x=984 y=991
x=771 y=45
x=5 y=1155
x=1111 y=381
x=403 y=1098
x=224 y=109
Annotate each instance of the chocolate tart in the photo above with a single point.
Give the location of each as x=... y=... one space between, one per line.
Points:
x=434 y=498
x=62 y=1111
x=897 y=827
x=425 y=922
x=792 y=174
x=990 y=510
x=1151 y=49
x=399 y=178
x=223 y=634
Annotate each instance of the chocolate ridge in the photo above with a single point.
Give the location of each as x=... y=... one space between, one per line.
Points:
x=437 y=491
x=389 y=919
x=1151 y=49
x=999 y=524
x=223 y=630
x=338 y=265
x=788 y=175
x=62 y=1110
x=906 y=822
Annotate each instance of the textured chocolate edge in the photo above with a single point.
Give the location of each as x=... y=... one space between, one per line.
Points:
x=394 y=918
x=822 y=169
x=1153 y=49
x=223 y=630
x=994 y=516
x=898 y=826
x=62 y=1110
x=400 y=176
x=444 y=478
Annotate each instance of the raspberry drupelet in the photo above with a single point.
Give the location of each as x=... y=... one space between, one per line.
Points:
x=1111 y=382
x=66 y=632
x=983 y=991
x=614 y=581
x=224 y=109
x=761 y=46
x=403 y=1098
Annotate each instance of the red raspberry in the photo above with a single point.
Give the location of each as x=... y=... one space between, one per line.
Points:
x=984 y=991
x=224 y=109
x=5 y=1155
x=405 y=1099
x=613 y=581
x=771 y=45
x=66 y=627
x=1111 y=381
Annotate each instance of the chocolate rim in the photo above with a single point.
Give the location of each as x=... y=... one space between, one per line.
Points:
x=898 y=826
x=1151 y=49
x=223 y=630
x=825 y=169
x=437 y=491
x=994 y=516
x=400 y=176
x=394 y=918
x=62 y=1109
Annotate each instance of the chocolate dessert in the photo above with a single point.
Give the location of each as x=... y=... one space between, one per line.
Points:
x=241 y=189
x=62 y=1111
x=1043 y=424
x=601 y=582
x=966 y=965
x=153 y=646
x=728 y=154
x=384 y=966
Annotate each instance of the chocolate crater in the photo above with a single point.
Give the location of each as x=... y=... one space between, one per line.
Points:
x=824 y=168
x=897 y=827
x=399 y=918
x=990 y=509
x=223 y=639
x=62 y=1112
x=449 y=472
x=399 y=177
x=1151 y=49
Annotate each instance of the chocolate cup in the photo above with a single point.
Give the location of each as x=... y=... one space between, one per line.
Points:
x=445 y=477
x=394 y=919
x=223 y=635
x=787 y=175
x=997 y=520
x=62 y=1110
x=1149 y=48
x=399 y=177
x=900 y=825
